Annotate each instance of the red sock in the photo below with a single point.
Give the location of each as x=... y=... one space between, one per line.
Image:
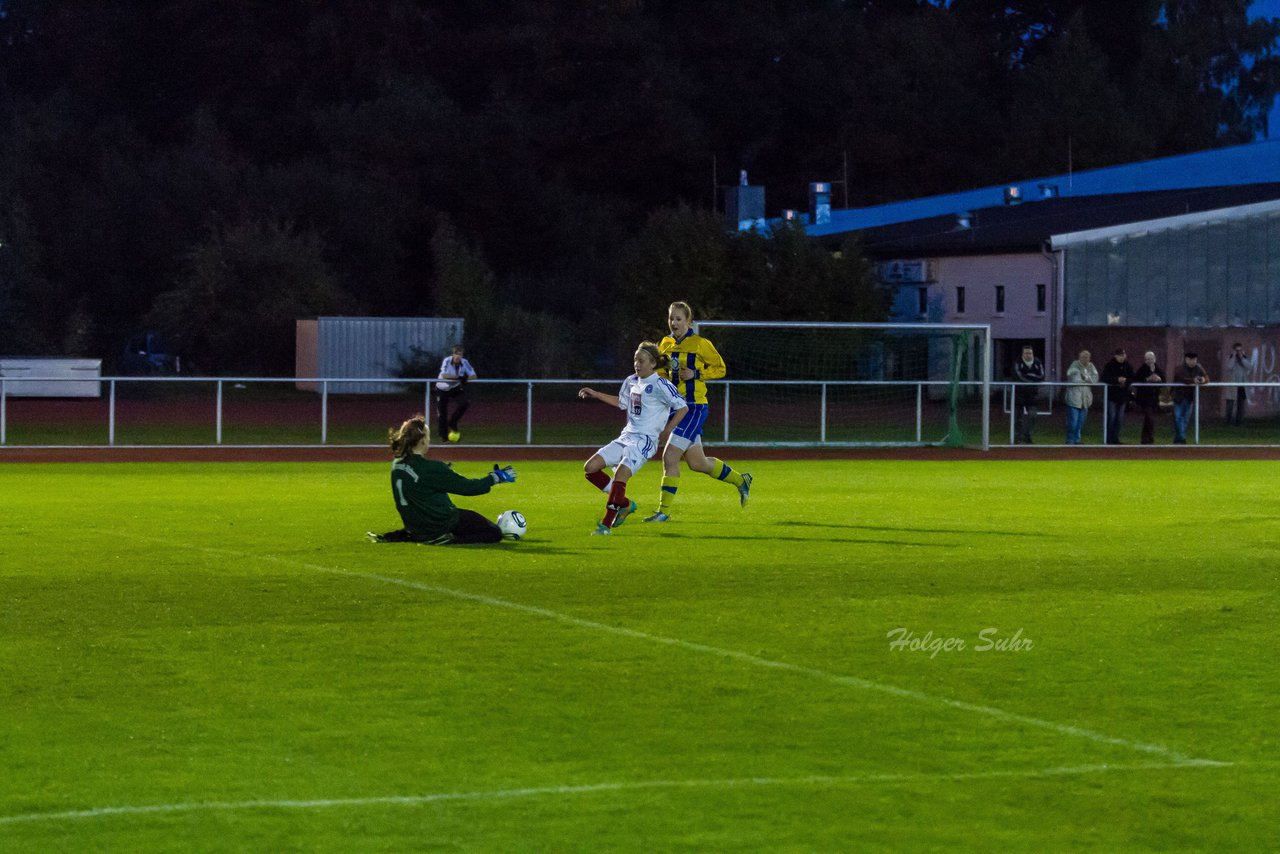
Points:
x=617 y=500
x=598 y=479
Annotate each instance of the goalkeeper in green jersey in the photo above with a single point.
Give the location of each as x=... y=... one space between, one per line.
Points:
x=421 y=489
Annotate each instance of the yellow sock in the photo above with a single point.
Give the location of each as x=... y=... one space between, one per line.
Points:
x=668 y=494
x=720 y=471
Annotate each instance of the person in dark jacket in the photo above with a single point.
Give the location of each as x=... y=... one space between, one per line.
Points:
x=1146 y=392
x=1028 y=372
x=1189 y=375
x=421 y=490
x=1117 y=375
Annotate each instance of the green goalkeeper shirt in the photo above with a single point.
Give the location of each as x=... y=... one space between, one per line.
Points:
x=421 y=488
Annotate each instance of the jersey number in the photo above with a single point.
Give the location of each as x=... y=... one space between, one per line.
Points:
x=400 y=493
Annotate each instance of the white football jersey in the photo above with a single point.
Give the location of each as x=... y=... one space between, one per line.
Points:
x=648 y=403
x=451 y=374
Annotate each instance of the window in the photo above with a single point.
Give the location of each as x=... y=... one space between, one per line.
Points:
x=999 y=299
x=922 y=301
x=959 y=300
x=1040 y=294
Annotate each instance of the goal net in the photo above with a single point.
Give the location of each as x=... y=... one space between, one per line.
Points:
x=850 y=384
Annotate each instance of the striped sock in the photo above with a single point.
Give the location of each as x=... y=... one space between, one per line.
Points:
x=617 y=500
x=667 y=496
x=720 y=471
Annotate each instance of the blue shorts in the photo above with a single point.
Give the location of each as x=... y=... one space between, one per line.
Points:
x=689 y=431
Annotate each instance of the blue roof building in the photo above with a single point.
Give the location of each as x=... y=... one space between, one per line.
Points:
x=1170 y=254
x=1254 y=163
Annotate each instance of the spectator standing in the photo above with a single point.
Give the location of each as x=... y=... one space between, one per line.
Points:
x=1028 y=371
x=452 y=390
x=1146 y=392
x=1118 y=376
x=1188 y=375
x=1239 y=366
x=1079 y=397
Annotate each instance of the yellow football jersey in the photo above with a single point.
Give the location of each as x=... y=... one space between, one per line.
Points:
x=691 y=351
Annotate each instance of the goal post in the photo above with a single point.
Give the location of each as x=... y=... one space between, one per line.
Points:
x=801 y=384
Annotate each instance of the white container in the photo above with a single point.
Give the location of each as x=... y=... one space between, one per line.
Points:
x=37 y=377
x=353 y=347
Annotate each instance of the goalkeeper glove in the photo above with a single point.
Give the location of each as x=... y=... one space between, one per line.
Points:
x=503 y=475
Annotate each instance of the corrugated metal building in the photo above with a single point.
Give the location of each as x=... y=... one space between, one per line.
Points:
x=59 y=377
x=353 y=347
x=1154 y=259
x=1207 y=269
x=1199 y=282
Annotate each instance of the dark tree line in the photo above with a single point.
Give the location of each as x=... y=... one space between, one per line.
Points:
x=219 y=168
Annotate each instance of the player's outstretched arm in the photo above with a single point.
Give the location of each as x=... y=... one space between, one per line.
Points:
x=455 y=484
x=592 y=394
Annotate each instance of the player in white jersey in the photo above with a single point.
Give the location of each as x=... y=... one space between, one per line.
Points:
x=653 y=406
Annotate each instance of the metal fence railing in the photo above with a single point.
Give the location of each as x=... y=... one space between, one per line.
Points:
x=252 y=412
x=1194 y=398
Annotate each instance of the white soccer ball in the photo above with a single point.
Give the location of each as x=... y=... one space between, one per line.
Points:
x=512 y=524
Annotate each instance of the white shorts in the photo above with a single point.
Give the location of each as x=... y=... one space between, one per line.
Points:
x=684 y=443
x=630 y=450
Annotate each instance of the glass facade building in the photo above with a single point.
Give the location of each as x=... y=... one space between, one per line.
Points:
x=1211 y=269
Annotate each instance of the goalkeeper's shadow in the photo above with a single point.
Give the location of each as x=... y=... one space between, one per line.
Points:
x=526 y=546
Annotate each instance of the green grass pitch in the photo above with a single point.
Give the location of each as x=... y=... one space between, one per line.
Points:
x=210 y=657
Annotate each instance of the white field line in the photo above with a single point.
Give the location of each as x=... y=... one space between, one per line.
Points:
x=592 y=788
x=730 y=654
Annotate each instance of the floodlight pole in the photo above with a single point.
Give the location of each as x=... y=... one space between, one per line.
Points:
x=1106 y=440
x=987 y=356
x=1013 y=413
x=528 y=414
x=822 y=426
x=727 y=387
x=324 y=412
x=1196 y=404
x=919 y=411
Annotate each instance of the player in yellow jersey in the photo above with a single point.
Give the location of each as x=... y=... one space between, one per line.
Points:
x=688 y=361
